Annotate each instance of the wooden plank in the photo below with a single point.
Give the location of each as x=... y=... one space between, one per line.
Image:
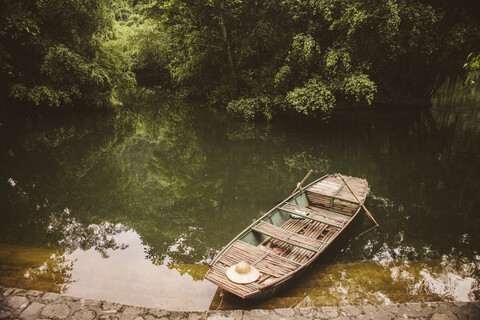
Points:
x=333 y=214
x=220 y=279
x=343 y=185
x=312 y=217
x=285 y=236
x=266 y=262
x=248 y=246
x=313 y=193
x=284 y=240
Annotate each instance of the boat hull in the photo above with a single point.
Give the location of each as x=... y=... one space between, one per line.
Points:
x=291 y=236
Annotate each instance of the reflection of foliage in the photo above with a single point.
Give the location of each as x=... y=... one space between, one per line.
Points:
x=56 y=269
x=34 y=268
x=196 y=271
x=73 y=235
x=44 y=161
x=306 y=161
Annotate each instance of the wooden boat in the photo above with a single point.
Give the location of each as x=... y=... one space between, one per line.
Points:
x=290 y=236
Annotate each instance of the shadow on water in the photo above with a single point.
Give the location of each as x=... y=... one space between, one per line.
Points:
x=149 y=193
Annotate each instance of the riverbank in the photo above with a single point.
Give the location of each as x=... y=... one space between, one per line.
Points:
x=28 y=304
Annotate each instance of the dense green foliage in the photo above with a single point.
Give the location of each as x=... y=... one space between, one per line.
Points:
x=252 y=57
x=54 y=52
x=310 y=56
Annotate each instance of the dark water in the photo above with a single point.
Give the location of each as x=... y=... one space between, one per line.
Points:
x=130 y=206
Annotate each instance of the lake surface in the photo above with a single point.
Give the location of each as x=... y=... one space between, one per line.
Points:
x=131 y=206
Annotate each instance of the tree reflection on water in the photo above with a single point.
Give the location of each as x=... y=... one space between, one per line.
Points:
x=187 y=179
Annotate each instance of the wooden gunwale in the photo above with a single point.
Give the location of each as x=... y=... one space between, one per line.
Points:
x=315 y=256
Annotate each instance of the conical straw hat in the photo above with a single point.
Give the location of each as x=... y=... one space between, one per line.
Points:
x=242 y=272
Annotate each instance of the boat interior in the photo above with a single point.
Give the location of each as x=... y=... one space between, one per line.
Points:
x=291 y=234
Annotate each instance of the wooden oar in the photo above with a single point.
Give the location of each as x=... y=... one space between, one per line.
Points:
x=299 y=186
x=361 y=203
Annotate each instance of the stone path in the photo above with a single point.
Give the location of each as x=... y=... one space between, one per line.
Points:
x=24 y=304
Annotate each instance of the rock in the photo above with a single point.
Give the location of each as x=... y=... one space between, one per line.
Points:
x=109 y=317
x=476 y=304
x=235 y=314
x=381 y=315
x=8 y=291
x=110 y=311
x=56 y=311
x=306 y=311
x=50 y=296
x=19 y=292
x=131 y=312
x=159 y=313
x=16 y=302
x=34 y=293
x=32 y=309
x=444 y=307
x=351 y=311
x=111 y=306
x=90 y=302
x=369 y=310
x=177 y=315
x=218 y=317
x=255 y=314
x=416 y=307
x=196 y=315
x=444 y=316
x=329 y=312
x=285 y=312
x=392 y=308
x=84 y=314
x=468 y=311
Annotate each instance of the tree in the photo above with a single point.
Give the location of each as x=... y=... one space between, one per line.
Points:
x=260 y=57
x=51 y=52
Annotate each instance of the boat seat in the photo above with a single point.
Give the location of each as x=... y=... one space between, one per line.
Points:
x=319 y=215
x=289 y=237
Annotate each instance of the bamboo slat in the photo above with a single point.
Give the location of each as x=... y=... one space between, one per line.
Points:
x=279 y=235
x=321 y=193
x=267 y=263
x=220 y=279
x=321 y=214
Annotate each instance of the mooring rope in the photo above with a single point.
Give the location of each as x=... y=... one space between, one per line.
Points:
x=208 y=310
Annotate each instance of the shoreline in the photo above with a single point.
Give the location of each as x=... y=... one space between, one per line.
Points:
x=28 y=304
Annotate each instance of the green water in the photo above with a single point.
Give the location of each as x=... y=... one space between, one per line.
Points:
x=130 y=206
